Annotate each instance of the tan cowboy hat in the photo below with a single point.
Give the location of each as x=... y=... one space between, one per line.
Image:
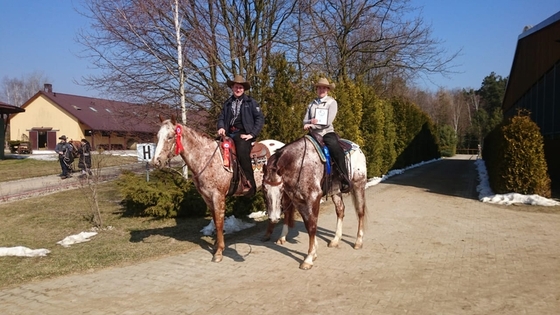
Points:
x=325 y=82
x=240 y=80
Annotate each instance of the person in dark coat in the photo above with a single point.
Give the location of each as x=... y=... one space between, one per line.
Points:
x=64 y=151
x=242 y=120
x=85 y=158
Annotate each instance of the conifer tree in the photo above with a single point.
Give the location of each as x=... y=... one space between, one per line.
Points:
x=284 y=102
x=371 y=127
x=349 y=116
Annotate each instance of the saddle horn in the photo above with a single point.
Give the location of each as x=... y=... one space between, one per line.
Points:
x=173 y=119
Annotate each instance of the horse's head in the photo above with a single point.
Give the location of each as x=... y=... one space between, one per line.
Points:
x=166 y=142
x=273 y=189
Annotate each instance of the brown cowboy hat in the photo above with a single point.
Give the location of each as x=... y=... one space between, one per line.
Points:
x=240 y=80
x=325 y=82
x=63 y=137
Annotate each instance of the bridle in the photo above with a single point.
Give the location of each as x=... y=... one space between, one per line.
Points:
x=265 y=181
x=178 y=148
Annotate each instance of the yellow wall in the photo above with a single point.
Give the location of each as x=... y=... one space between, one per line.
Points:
x=41 y=113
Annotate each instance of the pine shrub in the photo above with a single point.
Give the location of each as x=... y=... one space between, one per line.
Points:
x=525 y=168
x=168 y=194
x=448 y=140
x=514 y=157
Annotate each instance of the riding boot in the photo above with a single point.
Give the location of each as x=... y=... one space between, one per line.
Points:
x=243 y=148
x=337 y=154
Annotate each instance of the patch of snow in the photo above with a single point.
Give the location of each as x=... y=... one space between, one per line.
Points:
x=23 y=251
x=231 y=225
x=77 y=238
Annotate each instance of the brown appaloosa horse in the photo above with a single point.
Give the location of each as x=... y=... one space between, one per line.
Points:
x=293 y=181
x=201 y=154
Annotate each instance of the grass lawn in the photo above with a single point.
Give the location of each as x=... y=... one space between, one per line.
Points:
x=41 y=222
x=13 y=169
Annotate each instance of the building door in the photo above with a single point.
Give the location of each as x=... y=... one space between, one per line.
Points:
x=33 y=138
x=42 y=139
x=51 y=140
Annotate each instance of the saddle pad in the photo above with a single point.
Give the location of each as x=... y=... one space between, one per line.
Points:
x=317 y=147
x=348 y=148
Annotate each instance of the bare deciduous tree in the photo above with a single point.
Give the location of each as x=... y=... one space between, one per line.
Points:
x=379 y=41
x=137 y=45
x=16 y=91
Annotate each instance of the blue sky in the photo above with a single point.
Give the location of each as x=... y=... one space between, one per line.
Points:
x=39 y=35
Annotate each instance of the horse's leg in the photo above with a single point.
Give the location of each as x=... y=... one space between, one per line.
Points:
x=269 y=230
x=310 y=220
x=288 y=220
x=218 y=213
x=359 y=198
x=282 y=239
x=339 y=206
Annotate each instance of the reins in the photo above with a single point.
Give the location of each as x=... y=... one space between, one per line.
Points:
x=208 y=162
x=302 y=159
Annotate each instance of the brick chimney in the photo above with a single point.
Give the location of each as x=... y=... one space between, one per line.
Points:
x=48 y=88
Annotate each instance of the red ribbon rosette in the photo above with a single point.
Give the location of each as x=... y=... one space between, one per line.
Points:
x=179 y=144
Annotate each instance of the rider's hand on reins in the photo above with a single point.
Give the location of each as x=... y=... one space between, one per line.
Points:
x=246 y=137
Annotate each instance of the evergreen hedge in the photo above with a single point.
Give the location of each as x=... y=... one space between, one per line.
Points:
x=514 y=157
x=168 y=194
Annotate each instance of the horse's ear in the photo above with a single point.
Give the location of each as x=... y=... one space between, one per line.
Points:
x=160 y=118
x=173 y=119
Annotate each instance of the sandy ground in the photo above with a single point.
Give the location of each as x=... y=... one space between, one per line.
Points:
x=430 y=248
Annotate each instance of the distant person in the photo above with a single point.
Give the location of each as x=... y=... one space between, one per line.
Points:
x=85 y=158
x=242 y=120
x=64 y=151
x=319 y=118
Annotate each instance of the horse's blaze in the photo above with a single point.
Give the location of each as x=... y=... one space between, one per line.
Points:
x=274 y=211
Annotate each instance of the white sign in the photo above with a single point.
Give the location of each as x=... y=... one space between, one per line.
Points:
x=145 y=151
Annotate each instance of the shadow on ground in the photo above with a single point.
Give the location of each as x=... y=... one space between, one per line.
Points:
x=457 y=178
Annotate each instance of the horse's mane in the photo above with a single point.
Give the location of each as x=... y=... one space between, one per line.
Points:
x=289 y=144
x=193 y=130
x=278 y=154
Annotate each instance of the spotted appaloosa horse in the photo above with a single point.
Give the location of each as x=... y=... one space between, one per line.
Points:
x=292 y=180
x=204 y=160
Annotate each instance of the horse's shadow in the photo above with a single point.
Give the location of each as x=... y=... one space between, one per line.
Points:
x=296 y=234
x=239 y=245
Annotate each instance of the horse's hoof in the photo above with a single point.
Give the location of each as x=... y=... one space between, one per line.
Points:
x=217 y=258
x=280 y=242
x=266 y=238
x=305 y=266
x=333 y=245
x=358 y=246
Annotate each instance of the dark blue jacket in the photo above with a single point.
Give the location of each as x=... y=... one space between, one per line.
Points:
x=252 y=117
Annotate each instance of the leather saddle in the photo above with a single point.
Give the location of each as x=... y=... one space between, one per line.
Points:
x=259 y=156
